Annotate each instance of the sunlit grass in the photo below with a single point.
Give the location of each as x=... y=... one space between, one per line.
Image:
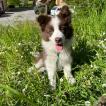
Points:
x=18 y=87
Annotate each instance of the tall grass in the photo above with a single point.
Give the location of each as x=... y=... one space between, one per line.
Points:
x=19 y=87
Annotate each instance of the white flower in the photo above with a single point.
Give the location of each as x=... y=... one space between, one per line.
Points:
x=74 y=7
x=1 y=53
x=104 y=51
x=103 y=46
x=91 y=66
x=18 y=73
x=97 y=54
x=33 y=54
x=19 y=82
x=98 y=45
x=16 y=50
x=26 y=86
x=104 y=85
x=23 y=90
x=72 y=10
x=87 y=103
x=13 y=73
x=61 y=79
x=103 y=33
x=19 y=44
x=95 y=66
x=74 y=47
x=21 y=56
x=104 y=94
x=46 y=95
x=85 y=78
x=104 y=39
x=101 y=41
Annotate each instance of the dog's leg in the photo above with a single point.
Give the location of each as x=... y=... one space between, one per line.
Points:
x=39 y=64
x=40 y=57
x=68 y=74
x=51 y=70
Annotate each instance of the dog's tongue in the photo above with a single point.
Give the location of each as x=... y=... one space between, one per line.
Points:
x=59 y=48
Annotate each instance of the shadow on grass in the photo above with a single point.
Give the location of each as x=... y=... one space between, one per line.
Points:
x=19 y=9
x=7 y=14
x=11 y=11
x=83 y=54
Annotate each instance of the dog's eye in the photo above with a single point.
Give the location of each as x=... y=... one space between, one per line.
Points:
x=61 y=27
x=51 y=30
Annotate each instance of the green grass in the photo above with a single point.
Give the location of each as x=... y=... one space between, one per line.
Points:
x=20 y=88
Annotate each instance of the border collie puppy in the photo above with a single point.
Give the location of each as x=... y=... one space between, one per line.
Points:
x=57 y=33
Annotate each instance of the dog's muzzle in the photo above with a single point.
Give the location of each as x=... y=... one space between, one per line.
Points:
x=59 y=44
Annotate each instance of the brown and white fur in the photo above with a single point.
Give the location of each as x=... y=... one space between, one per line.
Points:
x=56 y=30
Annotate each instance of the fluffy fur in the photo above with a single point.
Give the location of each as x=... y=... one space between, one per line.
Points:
x=53 y=28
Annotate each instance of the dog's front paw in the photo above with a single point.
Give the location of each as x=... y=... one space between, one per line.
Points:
x=53 y=87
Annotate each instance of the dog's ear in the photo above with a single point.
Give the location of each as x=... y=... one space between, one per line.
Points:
x=43 y=20
x=65 y=14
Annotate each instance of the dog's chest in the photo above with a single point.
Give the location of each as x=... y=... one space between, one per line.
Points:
x=60 y=59
x=64 y=58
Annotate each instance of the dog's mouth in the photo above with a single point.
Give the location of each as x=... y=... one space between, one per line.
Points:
x=59 y=47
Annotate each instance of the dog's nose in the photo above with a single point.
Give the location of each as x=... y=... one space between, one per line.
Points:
x=58 y=40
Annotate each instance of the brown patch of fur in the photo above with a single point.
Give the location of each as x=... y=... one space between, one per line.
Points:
x=43 y=20
x=65 y=17
x=47 y=32
x=68 y=32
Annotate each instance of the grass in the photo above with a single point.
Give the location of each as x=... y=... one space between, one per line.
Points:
x=18 y=87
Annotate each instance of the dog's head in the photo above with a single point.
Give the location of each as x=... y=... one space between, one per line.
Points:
x=58 y=28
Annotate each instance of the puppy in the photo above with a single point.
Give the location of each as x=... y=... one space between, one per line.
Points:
x=57 y=33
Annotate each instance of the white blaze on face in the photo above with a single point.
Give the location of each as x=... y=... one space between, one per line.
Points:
x=55 y=22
